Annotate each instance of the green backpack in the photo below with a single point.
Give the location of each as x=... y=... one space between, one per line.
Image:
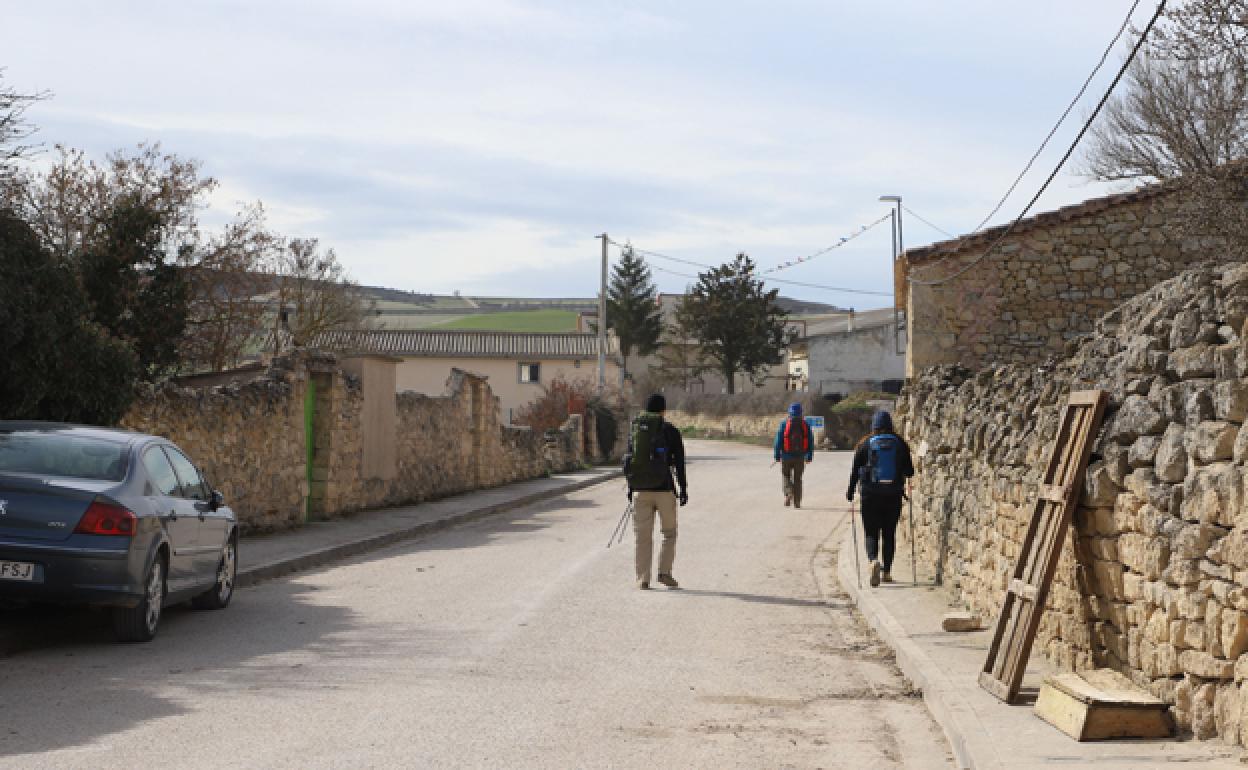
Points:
x=648 y=467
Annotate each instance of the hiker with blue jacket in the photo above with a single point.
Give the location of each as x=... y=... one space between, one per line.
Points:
x=882 y=463
x=655 y=451
x=794 y=448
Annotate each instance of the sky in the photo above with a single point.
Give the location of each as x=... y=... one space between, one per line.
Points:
x=480 y=145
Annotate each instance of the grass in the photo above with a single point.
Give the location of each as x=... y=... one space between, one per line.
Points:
x=519 y=321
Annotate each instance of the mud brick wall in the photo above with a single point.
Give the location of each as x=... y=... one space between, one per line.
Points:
x=1153 y=578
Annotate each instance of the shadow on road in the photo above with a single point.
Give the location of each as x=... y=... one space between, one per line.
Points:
x=762 y=599
x=77 y=687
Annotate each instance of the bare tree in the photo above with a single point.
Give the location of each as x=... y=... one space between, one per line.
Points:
x=1183 y=119
x=314 y=292
x=68 y=203
x=15 y=130
x=230 y=287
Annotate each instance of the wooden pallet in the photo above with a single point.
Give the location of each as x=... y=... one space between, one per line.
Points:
x=1101 y=704
x=1046 y=532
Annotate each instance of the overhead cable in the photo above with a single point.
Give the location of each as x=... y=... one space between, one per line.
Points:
x=1161 y=6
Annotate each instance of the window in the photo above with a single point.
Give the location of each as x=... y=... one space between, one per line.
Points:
x=193 y=485
x=160 y=472
x=52 y=453
x=530 y=373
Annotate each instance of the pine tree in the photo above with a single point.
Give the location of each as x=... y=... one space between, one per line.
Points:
x=633 y=311
x=736 y=322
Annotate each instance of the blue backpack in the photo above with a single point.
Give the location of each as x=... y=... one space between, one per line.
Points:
x=879 y=476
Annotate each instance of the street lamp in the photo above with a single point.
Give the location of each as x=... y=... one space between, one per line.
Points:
x=898 y=245
x=898 y=248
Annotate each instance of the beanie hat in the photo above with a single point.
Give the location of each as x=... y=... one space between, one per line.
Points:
x=882 y=421
x=656 y=403
x=795 y=409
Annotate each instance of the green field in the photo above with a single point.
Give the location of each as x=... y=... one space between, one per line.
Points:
x=520 y=321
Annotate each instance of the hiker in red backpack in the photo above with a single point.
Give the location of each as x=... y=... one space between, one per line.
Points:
x=795 y=447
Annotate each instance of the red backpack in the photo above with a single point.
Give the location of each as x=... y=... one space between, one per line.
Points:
x=791 y=441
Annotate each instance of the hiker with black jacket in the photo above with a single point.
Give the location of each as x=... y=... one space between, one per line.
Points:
x=882 y=463
x=655 y=450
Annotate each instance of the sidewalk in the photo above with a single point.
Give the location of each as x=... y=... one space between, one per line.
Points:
x=268 y=556
x=983 y=732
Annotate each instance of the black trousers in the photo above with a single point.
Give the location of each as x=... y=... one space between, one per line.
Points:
x=880 y=514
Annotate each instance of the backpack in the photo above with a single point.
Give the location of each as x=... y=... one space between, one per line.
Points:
x=879 y=475
x=791 y=444
x=648 y=465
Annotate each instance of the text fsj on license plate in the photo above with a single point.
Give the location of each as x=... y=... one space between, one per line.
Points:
x=16 y=570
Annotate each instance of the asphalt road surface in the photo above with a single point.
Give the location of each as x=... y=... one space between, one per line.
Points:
x=519 y=641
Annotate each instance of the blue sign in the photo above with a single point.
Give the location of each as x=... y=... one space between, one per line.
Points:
x=815 y=422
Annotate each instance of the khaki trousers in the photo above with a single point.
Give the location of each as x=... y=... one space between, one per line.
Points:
x=646 y=503
x=792 y=470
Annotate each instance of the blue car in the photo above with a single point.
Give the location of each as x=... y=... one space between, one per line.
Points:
x=110 y=518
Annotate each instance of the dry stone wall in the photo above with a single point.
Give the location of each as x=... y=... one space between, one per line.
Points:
x=1046 y=284
x=250 y=441
x=1153 y=579
x=842 y=430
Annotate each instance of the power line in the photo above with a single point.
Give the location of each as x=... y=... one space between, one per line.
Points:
x=937 y=228
x=1161 y=6
x=1104 y=56
x=821 y=252
x=660 y=255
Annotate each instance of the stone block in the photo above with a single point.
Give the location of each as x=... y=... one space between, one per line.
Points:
x=1234 y=633
x=1144 y=554
x=1100 y=491
x=1213 y=494
x=1136 y=417
x=1143 y=452
x=1197 y=362
x=1171 y=454
x=1211 y=441
x=1206 y=666
x=1230 y=400
x=960 y=621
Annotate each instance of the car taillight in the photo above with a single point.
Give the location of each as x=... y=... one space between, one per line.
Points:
x=104 y=518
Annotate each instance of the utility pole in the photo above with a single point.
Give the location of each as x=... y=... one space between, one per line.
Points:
x=602 y=320
x=898 y=248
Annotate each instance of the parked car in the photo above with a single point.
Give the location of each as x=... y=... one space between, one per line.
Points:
x=110 y=518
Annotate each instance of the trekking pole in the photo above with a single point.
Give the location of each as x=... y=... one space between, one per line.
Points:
x=628 y=514
x=914 y=560
x=620 y=527
x=853 y=531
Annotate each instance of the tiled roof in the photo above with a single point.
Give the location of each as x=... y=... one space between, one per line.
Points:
x=982 y=238
x=466 y=344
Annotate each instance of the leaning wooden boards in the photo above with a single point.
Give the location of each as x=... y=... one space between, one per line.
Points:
x=1046 y=532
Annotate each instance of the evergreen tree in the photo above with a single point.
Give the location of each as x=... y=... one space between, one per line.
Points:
x=737 y=323
x=632 y=307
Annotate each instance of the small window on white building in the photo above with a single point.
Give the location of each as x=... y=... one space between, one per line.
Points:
x=530 y=372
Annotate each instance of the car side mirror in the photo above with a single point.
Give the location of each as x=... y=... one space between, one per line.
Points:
x=216 y=500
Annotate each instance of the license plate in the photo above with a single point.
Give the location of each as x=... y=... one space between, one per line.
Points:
x=16 y=570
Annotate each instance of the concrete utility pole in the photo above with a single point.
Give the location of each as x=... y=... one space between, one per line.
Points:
x=602 y=320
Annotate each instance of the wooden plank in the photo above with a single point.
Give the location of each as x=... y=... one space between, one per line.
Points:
x=1101 y=704
x=1056 y=500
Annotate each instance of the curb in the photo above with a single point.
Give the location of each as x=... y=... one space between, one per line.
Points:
x=972 y=746
x=254 y=574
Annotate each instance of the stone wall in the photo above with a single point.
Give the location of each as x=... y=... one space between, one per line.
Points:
x=1153 y=578
x=1046 y=283
x=842 y=429
x=250 y=441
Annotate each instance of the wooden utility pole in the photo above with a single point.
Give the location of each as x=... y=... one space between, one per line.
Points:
x=602 y=319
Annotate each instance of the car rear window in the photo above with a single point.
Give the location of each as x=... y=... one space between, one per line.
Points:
x=42 y=453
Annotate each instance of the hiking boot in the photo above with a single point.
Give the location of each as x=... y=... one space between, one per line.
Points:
x=787 y=500
x=643 y=585
x=875 y=573
x=886 y=577
x=668 y=581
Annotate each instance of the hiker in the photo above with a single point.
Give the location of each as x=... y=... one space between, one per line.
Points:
x=655 y=449
x=794 y=448
x=882 y=464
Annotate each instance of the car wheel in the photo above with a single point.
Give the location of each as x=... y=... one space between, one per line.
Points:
x=218 y=598
x=139 y=623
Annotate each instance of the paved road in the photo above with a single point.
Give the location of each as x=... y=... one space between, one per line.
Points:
x=519 y=641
